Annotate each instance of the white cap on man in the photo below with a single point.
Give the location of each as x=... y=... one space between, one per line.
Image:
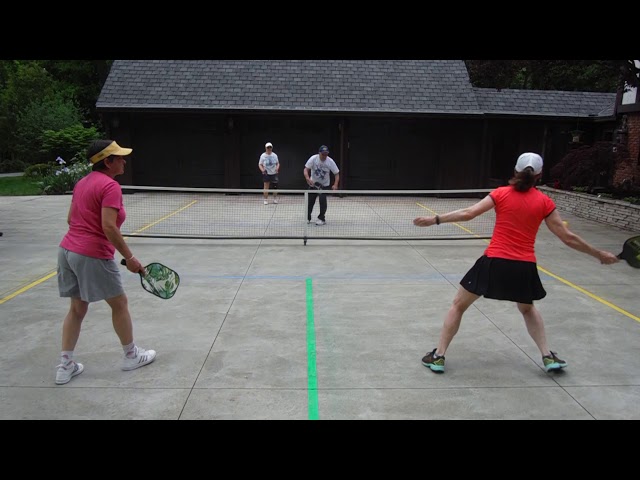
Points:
x=529 y=159
x=268 y=145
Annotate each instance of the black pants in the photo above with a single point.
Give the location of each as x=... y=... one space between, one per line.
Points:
x=312 y=202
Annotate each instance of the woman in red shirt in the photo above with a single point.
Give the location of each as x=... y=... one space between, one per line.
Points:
x=508 y=269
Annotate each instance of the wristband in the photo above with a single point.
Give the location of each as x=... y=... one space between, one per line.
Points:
x=437 y=220
x=132 y=257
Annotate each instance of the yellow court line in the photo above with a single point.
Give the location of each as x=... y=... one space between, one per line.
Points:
x=27 y=287
x=566 y=282
x=164 y=218
x=51 y=274
x=452 y=223
x=595 y=297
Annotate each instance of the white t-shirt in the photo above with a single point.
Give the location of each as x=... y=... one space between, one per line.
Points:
x=270 y=162
x=320 y=169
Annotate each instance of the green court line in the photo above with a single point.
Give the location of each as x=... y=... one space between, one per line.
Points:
x=312 y=374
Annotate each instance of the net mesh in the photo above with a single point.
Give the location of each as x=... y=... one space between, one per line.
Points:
x=351 y=214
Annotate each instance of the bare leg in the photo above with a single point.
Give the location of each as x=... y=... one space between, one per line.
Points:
x=121 y=318
x=535 y=326
x=461 y=303
x=266 y=190
x=73 y=323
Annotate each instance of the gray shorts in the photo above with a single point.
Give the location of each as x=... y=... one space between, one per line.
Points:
x=90 y=279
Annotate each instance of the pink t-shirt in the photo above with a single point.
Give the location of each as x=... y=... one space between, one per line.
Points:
x=90 y=195
x=518 y=218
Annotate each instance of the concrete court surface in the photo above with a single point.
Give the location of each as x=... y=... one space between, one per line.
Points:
x=332 y=330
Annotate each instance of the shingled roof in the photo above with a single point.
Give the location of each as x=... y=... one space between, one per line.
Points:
x=374 y=86
x=545 y=102
x=347 y=86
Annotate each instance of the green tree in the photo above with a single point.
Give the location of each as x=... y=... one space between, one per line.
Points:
x=58 y=83
x=84 y=80
x=566 y=75
x=52 y=113
x=24 y=81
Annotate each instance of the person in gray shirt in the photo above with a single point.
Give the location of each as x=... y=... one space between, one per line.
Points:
x=317 y=173
x=269 y=165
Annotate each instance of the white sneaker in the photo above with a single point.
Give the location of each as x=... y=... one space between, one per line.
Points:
x=275 y=200
x=266 y=203
x=65 y=374
x=320 y=222
x=143 y=357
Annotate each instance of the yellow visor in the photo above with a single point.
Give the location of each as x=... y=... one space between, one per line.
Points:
x=112 y=149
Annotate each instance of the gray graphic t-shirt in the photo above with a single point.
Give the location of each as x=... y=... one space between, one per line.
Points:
x=320 y=170
x=270 y=162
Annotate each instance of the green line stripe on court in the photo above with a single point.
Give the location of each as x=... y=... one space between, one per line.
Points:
x=312 y=374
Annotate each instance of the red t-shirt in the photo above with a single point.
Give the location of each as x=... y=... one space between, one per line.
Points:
x=518 y=218
x=90 y=195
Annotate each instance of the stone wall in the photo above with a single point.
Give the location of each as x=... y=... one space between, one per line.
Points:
x=618 y=213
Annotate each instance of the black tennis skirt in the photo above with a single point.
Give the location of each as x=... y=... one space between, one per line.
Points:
x=502 y=279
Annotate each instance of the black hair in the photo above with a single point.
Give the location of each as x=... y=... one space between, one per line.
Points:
x=524 y=180
x=96 y=147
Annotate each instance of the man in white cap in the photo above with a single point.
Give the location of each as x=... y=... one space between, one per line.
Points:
x=269 y=165
x=508 y=270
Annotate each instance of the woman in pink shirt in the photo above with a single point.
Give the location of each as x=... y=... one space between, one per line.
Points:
x=508 y=268
x=87 y=270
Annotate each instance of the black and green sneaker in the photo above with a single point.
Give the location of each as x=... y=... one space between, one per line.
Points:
x=435 y=363
x=552 y=362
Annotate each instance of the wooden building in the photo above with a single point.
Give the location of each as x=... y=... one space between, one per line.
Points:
x=390 y=124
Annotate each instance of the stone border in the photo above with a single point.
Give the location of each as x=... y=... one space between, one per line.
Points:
x=618 y=213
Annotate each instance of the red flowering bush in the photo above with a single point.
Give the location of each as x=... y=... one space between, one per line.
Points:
x=588 y=166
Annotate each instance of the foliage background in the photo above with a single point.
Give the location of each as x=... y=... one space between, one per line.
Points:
x=47 y=107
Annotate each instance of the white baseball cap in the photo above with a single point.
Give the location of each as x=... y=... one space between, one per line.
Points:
x=529 y=159
x=268 y=144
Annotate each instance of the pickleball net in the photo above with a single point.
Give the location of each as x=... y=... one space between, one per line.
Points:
x=202 y=213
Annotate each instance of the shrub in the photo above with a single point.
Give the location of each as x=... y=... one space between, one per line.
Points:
x=11 y=166
x=589 y=166
x=71 y=142
x=63 y=179
x=51 y=113
x=39 y=170
x=580 y=189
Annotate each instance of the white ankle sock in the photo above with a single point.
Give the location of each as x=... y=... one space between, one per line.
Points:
x=66 y=357
x=129 y=350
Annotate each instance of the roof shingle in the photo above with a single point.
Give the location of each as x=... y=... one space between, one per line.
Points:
x=545 y=102
x=401 y=86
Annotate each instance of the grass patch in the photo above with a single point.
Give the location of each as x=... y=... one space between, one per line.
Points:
x=19 y=186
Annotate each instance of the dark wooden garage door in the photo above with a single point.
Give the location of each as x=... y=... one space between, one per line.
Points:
x=392 y=154
x=179 y=151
